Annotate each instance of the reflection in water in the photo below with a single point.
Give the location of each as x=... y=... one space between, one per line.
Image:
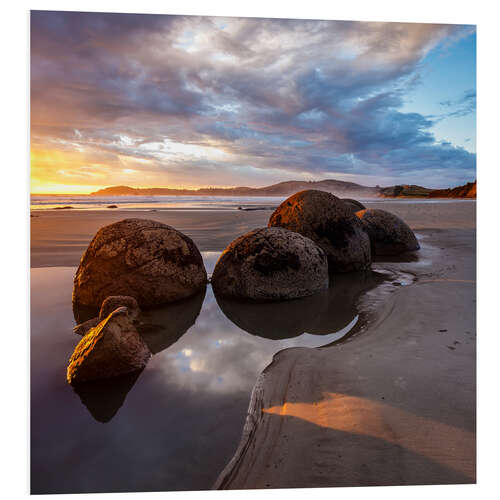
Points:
x=176 y=425
x=342 y=298
x=323 y=313
x=104 y=398
x=83 y=313
x=274 y=320
x=161 y=327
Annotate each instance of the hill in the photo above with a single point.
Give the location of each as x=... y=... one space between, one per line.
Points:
x=342 y=189
x=466 y=191
x=404 y=191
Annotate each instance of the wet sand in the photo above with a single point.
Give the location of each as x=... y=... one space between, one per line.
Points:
x=59 y=237
x=395 y=404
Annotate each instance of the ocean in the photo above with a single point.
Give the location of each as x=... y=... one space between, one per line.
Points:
x=84 y=202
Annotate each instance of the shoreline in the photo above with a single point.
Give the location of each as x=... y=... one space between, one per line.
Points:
x=59 y=237
x=391 y=405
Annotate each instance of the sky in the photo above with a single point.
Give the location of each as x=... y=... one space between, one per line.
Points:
x=183 y=101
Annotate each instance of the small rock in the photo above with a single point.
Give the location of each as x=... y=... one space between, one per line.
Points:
x=108 y=306
x=270 y=264
x=115 y=301
x=112 y=348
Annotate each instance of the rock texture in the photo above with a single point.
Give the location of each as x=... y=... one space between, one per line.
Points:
x=327 y=221
x=84 y=327
x=353 y=205
x=270 y=264
x=108 y=306
x=389 y=235
x=112 y=348
x=148 y=260
x=115 y=301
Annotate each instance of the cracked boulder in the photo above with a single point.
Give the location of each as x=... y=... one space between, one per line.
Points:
x=270 y=264
x=112 y=348
x=326 y=220
x=144 y=259
x=389 y=235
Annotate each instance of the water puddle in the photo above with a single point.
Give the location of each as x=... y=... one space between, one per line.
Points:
x=175 y=425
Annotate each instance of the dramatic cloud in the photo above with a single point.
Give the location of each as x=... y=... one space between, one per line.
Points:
x=190 y=101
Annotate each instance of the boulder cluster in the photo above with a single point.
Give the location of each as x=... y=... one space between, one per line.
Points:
x=138 y=263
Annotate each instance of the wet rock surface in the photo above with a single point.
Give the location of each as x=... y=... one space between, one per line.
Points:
x=270 y=264
x=389 y=235
x=145 y=259
x=112 y=348
x=327 y=221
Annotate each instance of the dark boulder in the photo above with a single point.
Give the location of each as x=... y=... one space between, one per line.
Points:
x=327 y=221
x=145 y=259
x=389 y=235
x=270 y=264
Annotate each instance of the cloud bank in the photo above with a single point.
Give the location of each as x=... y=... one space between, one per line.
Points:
x=195 y=101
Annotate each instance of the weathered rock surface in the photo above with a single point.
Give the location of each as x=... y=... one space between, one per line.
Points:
x=145 y=259
x=112 y=348
x=109 y=304
x=270 y=264
x=353 y=205
x=389 y=235
x=84 y=327
x=327 y=221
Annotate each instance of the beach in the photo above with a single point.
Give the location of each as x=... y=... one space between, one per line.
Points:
x=392 y=403
x=59 y=237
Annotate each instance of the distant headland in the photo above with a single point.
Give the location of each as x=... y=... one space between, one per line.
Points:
x=339 y=188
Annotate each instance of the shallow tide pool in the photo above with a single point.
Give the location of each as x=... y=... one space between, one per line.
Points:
x=175 y=425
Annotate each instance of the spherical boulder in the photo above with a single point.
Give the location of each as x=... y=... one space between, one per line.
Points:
x=270 y=264
x=144 y=259
x=353 y=205
x=327 y=221
x=389 y=235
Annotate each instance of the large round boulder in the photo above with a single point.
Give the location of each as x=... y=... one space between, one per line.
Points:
x=270 y=264
x=327 y=221
x=144 y=259
x=389 y=235
x=353 y=205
